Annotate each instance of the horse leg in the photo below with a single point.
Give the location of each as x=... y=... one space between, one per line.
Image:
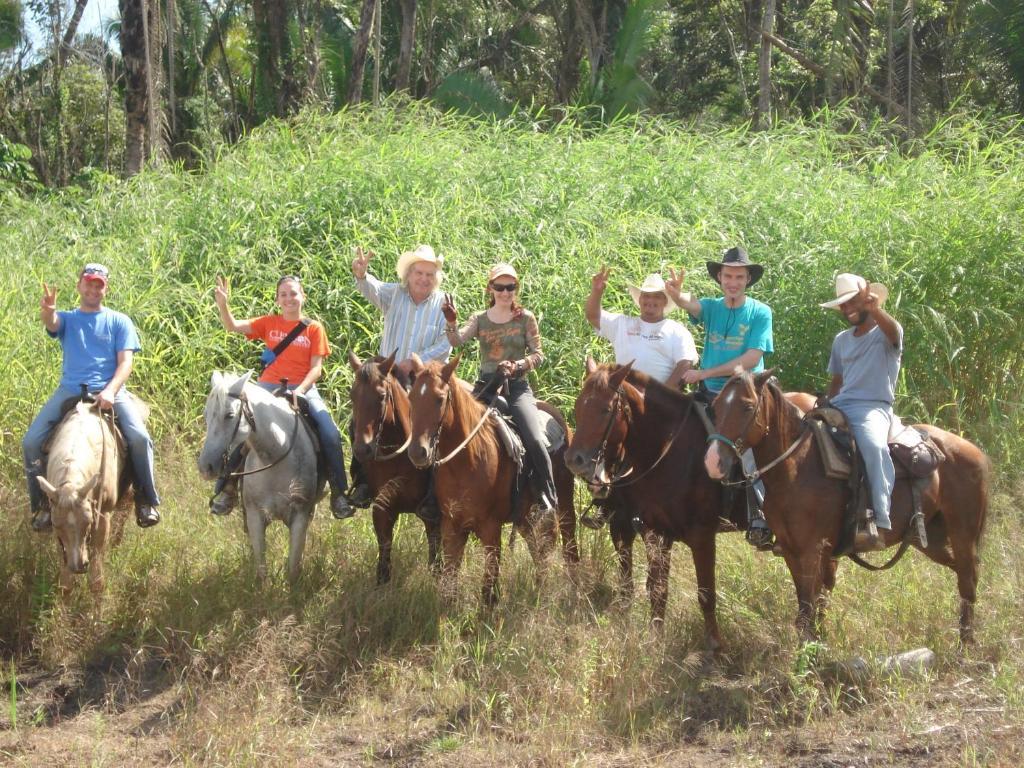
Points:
x=659 y=553
x=433 y=531
x=965 y=556
x=702 y=549
x=566 y=511
x=297 y=541
x=490 y=537
x=384 y=529
x=829 y=566
x=623 y=535
x=256 y=527
x=453 y=544
x=806 y=570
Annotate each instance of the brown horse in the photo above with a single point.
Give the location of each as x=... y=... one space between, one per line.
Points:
x=473 y=476
x=805 y=509
x=653 y=437
x=380 y=412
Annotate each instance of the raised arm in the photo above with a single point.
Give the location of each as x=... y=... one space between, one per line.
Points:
x=598 y=284
x=220 y=295
x=673 y=287
x=885 y=321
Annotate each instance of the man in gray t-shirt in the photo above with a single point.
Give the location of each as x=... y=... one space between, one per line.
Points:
x=865 y=363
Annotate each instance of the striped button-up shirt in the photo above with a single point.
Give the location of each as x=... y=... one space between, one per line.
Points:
x=408 y=327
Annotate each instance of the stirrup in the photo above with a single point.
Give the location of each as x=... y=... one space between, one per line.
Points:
x=41 y=521
x=868 y=539
x=760 y=536
x=360 y=496
x=596 y=520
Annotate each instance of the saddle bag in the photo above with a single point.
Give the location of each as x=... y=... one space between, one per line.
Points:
x=921 y=458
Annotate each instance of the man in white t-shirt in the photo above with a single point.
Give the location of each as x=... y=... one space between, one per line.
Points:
x=659 y=347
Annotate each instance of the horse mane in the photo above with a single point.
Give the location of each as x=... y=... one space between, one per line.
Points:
x=466 y=410
x=654 y=392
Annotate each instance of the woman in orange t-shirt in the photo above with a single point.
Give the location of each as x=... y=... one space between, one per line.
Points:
x=301 y=365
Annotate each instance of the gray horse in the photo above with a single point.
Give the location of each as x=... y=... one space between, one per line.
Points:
x=280 y=478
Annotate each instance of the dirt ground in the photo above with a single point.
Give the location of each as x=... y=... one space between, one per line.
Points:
x=107 y=717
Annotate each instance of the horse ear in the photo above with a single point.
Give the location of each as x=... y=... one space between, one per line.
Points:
x=239 y=384
x=47 y=487
x=354 y=361
x=620 y=374
x=215 y=379
x=89 y=485
x=387 y=364
x=591 y=365
x=760 y=379
x=416 y=364
x=449 y=368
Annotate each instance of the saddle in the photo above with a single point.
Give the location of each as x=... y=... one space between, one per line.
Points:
x=915 y=456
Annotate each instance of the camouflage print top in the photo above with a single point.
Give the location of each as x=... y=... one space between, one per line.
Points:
x=517 y=340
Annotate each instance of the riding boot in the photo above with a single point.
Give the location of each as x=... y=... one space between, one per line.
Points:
x=759 y=535
x=602 y=512
x=146 y=515
x=225 y=489
x=340 y=507
x=359 y=495
x=41 y=522
x=429 y=510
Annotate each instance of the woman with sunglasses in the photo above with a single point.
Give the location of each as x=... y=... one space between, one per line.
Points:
x=509 y=348
x=300 y=363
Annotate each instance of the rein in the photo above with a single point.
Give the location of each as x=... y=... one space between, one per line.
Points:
x=389 y=398
x=739 y=448
x=245 y=411
x=436 y=438
x=620 y=481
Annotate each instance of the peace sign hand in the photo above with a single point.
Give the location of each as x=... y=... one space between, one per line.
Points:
x=361 y=262
x=675 y=279
x=222 y=291
x=451 y=314
x=599 y=282
x=49 y=301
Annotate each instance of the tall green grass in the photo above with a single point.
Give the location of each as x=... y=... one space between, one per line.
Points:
x=255 y=670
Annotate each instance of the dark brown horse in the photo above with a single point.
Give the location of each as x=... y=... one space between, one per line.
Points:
x=625 y=419
x=805 y=509
x=380 y=411
x=473 y=476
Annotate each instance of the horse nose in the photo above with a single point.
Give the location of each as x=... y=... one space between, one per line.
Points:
x=79 y=566
x=418 y=455
x=574 y=461
x=363 y=451
x=712 y=462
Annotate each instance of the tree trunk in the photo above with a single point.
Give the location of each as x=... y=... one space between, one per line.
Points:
x=136 y=77
x=763 y=117
x=70 y=32
x=406 y=45
x=362 y=42
x=376 y=52
x=274 y=75
x=172 y=25
x=909 y=114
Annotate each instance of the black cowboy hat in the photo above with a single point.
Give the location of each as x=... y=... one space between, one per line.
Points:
x=735 y=257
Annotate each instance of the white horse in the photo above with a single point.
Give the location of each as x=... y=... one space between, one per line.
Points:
x=82 y=479
x=280 y=480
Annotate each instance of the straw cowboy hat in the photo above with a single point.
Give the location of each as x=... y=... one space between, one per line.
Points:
x=848 y=286
x=420 y=253
x=652 y=284
x=735 y=257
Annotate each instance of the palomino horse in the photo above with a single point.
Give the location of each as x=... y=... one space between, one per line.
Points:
x=652 y=438
x=805 y=509
x=281 y=480
x=473 y=475
x=380 y=411
x=83 y=480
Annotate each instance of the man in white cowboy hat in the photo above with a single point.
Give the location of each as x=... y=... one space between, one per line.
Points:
x=413 y=320
x=737 y=333
x=660 y=347
x=865 y=363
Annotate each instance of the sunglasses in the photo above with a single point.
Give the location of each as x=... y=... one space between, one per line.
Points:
x=98 y=271
x=502 y=287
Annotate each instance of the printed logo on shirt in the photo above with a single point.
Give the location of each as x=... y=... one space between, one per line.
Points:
x=732 y=341
x=275 y=337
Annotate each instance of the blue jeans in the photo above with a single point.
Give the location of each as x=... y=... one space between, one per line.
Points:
x=869 y=422
x=140 y=445
x=330 y=436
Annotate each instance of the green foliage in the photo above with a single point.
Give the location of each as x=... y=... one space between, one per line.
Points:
x=473 y=94
x=11 y=24
x=15 y=165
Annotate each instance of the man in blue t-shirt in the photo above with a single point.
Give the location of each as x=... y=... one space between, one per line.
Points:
x=99 y=345
x=737 y=333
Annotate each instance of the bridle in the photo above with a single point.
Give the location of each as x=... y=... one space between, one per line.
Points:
x=435 y=439
x=388 y=399
x=245 y=412
x=621 y=405
x=738 y=446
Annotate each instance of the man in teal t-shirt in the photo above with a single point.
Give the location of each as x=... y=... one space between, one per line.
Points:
x=737 y=328
x=737 y=332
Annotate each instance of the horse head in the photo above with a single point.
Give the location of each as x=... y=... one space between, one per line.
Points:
x=602 y=423
x=73 y=511
x=375 y=399
x=226 y=423
x=740 y=421
x=430 y=406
